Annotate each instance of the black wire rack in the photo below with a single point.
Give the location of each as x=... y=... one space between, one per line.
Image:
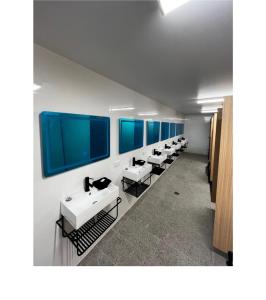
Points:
x=157 y=170
x=88 y=233
x=168 y=161
x=176 y=154
x=135 y=188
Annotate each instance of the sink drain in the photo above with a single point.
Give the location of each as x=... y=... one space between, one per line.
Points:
x=176 y=193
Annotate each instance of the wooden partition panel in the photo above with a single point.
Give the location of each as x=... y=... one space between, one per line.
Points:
x=223 y=222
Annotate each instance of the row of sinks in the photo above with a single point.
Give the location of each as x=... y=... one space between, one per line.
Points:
x=82 y=206
x=136 y=173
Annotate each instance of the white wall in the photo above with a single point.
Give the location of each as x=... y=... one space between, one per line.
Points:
x=197 y=130
x=69 y=87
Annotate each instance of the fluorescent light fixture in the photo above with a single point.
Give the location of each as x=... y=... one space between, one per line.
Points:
x=175 y=119
x=171 y=118
x=169 y=5
x=214 y=100
x=36 y=87
x=122 y=108
x=208 y=111
x=148 y=114
x=215 y=107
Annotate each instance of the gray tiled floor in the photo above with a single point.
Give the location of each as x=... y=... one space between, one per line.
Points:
x=165 y=229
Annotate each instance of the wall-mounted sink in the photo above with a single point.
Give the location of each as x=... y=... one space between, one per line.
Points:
x=157 y=159
x=81 y=207
x=136 y=173
x=183 y=142
x=168 y=151
x=178 y=146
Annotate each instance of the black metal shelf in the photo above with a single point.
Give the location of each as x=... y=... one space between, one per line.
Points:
x=135 y=188
x=168 y=161
x=175 y=154
x=88 y=233
x=157 y=170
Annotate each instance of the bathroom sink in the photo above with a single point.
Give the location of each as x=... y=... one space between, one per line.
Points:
x=135 y=173
x=178 y=146
x=168 y=151
x=157 y=159
x=183 y=142
x=85 y=205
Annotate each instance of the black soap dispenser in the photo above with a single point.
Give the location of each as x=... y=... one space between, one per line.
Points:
x=133 y=162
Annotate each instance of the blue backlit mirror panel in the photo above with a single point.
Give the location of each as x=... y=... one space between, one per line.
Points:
x=172 y=129
x=72 y=140
x=176 y=129
x=130 y=134
x=182 y=128
x=164 y=131
x=179 y=128
x=153 y=132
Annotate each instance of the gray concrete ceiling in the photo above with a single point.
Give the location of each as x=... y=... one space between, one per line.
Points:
x=173 y=59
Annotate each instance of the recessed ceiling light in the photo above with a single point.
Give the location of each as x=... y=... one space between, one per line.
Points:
x=121 y=108
x=148 y=114
x=169 y=5
x=214 y=100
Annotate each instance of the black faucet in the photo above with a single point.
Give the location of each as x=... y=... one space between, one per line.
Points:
x=87 y=184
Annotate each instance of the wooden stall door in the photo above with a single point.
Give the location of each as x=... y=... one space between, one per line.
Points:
x=223 y=222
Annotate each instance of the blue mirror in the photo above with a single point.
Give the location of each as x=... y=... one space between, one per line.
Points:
x=72 y=140
x=164 y=131
x=130 y=134
x=172 y=129
x=179 y=128
x=153 y=132
x=182 y=128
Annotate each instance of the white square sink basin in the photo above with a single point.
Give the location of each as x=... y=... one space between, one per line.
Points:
x=85 y=205
x=136 y=173
x=168 y=151
x=178 y=146
x=183 y=142
x=157 y=159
